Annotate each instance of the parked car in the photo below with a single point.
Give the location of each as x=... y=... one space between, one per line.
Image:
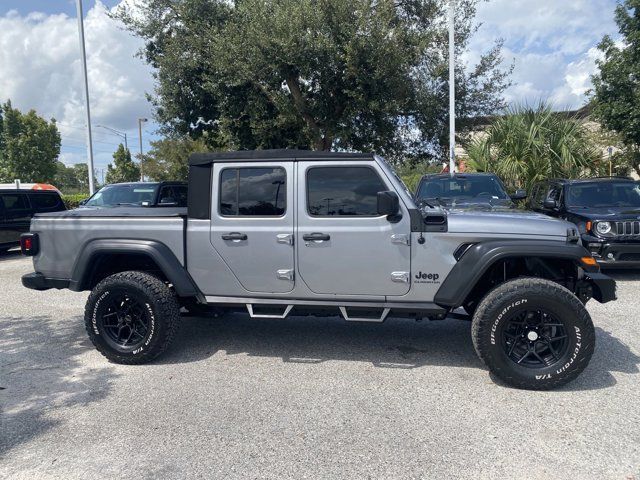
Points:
x=287 y=232
x=466 y=190
x=18 y=203
x=140 y=194
x=605 y=210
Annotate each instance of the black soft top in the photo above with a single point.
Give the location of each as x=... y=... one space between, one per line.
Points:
x=271 y=155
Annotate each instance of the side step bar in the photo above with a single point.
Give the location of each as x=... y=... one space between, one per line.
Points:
x=253 y=314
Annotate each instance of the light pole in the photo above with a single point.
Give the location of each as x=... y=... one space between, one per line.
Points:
x=140 y=120
x=83 y=58
x=610 y=151
x=117 y=132
x=452 y=90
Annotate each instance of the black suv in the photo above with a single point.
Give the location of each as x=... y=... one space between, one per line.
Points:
x=467 y=191
x=18 y=205
x=606 y=211
x=140 y=194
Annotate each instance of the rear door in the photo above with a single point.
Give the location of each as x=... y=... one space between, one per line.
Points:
x=344 y=246
x=17 y=216
x=252 y=223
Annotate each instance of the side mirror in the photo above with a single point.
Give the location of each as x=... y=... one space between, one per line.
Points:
x=388 y=203
x=550 y=204
x=520 y=194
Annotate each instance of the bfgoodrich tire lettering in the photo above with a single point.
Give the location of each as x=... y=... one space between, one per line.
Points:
x=533 y=333
x=132 y=317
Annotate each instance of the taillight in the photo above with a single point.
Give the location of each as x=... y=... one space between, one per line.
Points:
x=29 y=244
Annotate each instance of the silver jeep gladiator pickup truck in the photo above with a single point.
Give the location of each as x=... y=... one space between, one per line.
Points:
x=285 y=232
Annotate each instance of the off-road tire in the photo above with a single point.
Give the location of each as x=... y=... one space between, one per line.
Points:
x=160 y=305
x=502 y=304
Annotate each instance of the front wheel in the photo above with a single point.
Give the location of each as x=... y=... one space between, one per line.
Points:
x=533 y=334
x=132 y=317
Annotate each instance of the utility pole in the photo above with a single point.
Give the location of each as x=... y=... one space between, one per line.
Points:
x=610 y=151
x=83 y=58
x=140 y=120
x=452 y=89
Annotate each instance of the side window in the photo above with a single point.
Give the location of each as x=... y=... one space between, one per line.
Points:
x=343 y=191
x=253 y=191
x=45 y=201
x=541 y=193
x=173 y=194
x=554 y=193
x=14 y=202
x=180 y=192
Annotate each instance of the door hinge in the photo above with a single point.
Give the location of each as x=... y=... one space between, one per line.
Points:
x=400 y=238
x=400 y=277
x=286 y=238
x=285 y=274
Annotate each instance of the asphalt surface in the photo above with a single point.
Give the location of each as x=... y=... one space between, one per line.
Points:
x=303 y=398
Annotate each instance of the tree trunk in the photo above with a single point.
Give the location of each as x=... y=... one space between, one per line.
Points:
x=319 y=140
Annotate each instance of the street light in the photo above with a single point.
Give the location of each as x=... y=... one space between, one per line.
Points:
x=117 y=132
x=610 y=150
x=140 y=120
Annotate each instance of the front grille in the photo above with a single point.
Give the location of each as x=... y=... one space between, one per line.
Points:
x=628 y=228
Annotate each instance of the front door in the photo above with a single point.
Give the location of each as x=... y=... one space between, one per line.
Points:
x=252 y=223
x=344 y=246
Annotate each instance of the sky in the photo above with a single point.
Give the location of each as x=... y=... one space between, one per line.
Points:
x=550 y=43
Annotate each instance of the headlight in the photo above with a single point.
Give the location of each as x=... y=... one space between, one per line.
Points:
x=603 y=228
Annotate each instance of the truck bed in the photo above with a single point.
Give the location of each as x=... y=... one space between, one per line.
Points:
x=64 y=235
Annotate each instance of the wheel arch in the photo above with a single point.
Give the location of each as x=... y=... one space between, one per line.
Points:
x=102 y=257
x=480 y=260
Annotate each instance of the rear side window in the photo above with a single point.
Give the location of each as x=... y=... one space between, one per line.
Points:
x=14 y=202
x=250 y=191
x=174 y=194
x=343 y=191
x=45 y=201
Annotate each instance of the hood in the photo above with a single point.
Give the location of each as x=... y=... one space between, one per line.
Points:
x=606 y=213
x=514 y=222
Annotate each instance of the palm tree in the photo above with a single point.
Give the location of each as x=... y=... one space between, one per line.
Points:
x=529 y=144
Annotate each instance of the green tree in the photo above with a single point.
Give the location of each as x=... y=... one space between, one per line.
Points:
x=318 y=74
x=29 y=146
x=123 y=169
x=168 y=158
x=616 y=87
x=81 y=173
x=530 y=144
x=65 y=178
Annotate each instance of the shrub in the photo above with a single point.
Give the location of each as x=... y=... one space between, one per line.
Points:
x=73 y=201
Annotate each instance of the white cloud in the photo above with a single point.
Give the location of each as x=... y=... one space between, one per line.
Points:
x=40 y=69
x=550 y=42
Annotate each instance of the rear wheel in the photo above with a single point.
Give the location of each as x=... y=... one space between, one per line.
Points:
x=132 y=317
x=533 y=333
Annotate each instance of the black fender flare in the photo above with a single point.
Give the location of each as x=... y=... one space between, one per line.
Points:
x=156 y=251
x=478 y=258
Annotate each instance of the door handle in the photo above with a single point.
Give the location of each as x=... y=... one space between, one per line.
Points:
x=316 y=237
x=235 y=236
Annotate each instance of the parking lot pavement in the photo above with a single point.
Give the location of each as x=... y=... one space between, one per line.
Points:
x=303 y=398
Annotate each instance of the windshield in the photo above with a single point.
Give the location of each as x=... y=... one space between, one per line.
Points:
x=604 y=194
x=114 y=195
x=484 y=188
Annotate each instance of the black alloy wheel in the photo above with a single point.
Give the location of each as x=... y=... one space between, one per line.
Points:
x=534 y=338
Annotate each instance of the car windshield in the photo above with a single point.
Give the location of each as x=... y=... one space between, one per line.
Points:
x=114 y=195
x=604 y=194
x=463 y=189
